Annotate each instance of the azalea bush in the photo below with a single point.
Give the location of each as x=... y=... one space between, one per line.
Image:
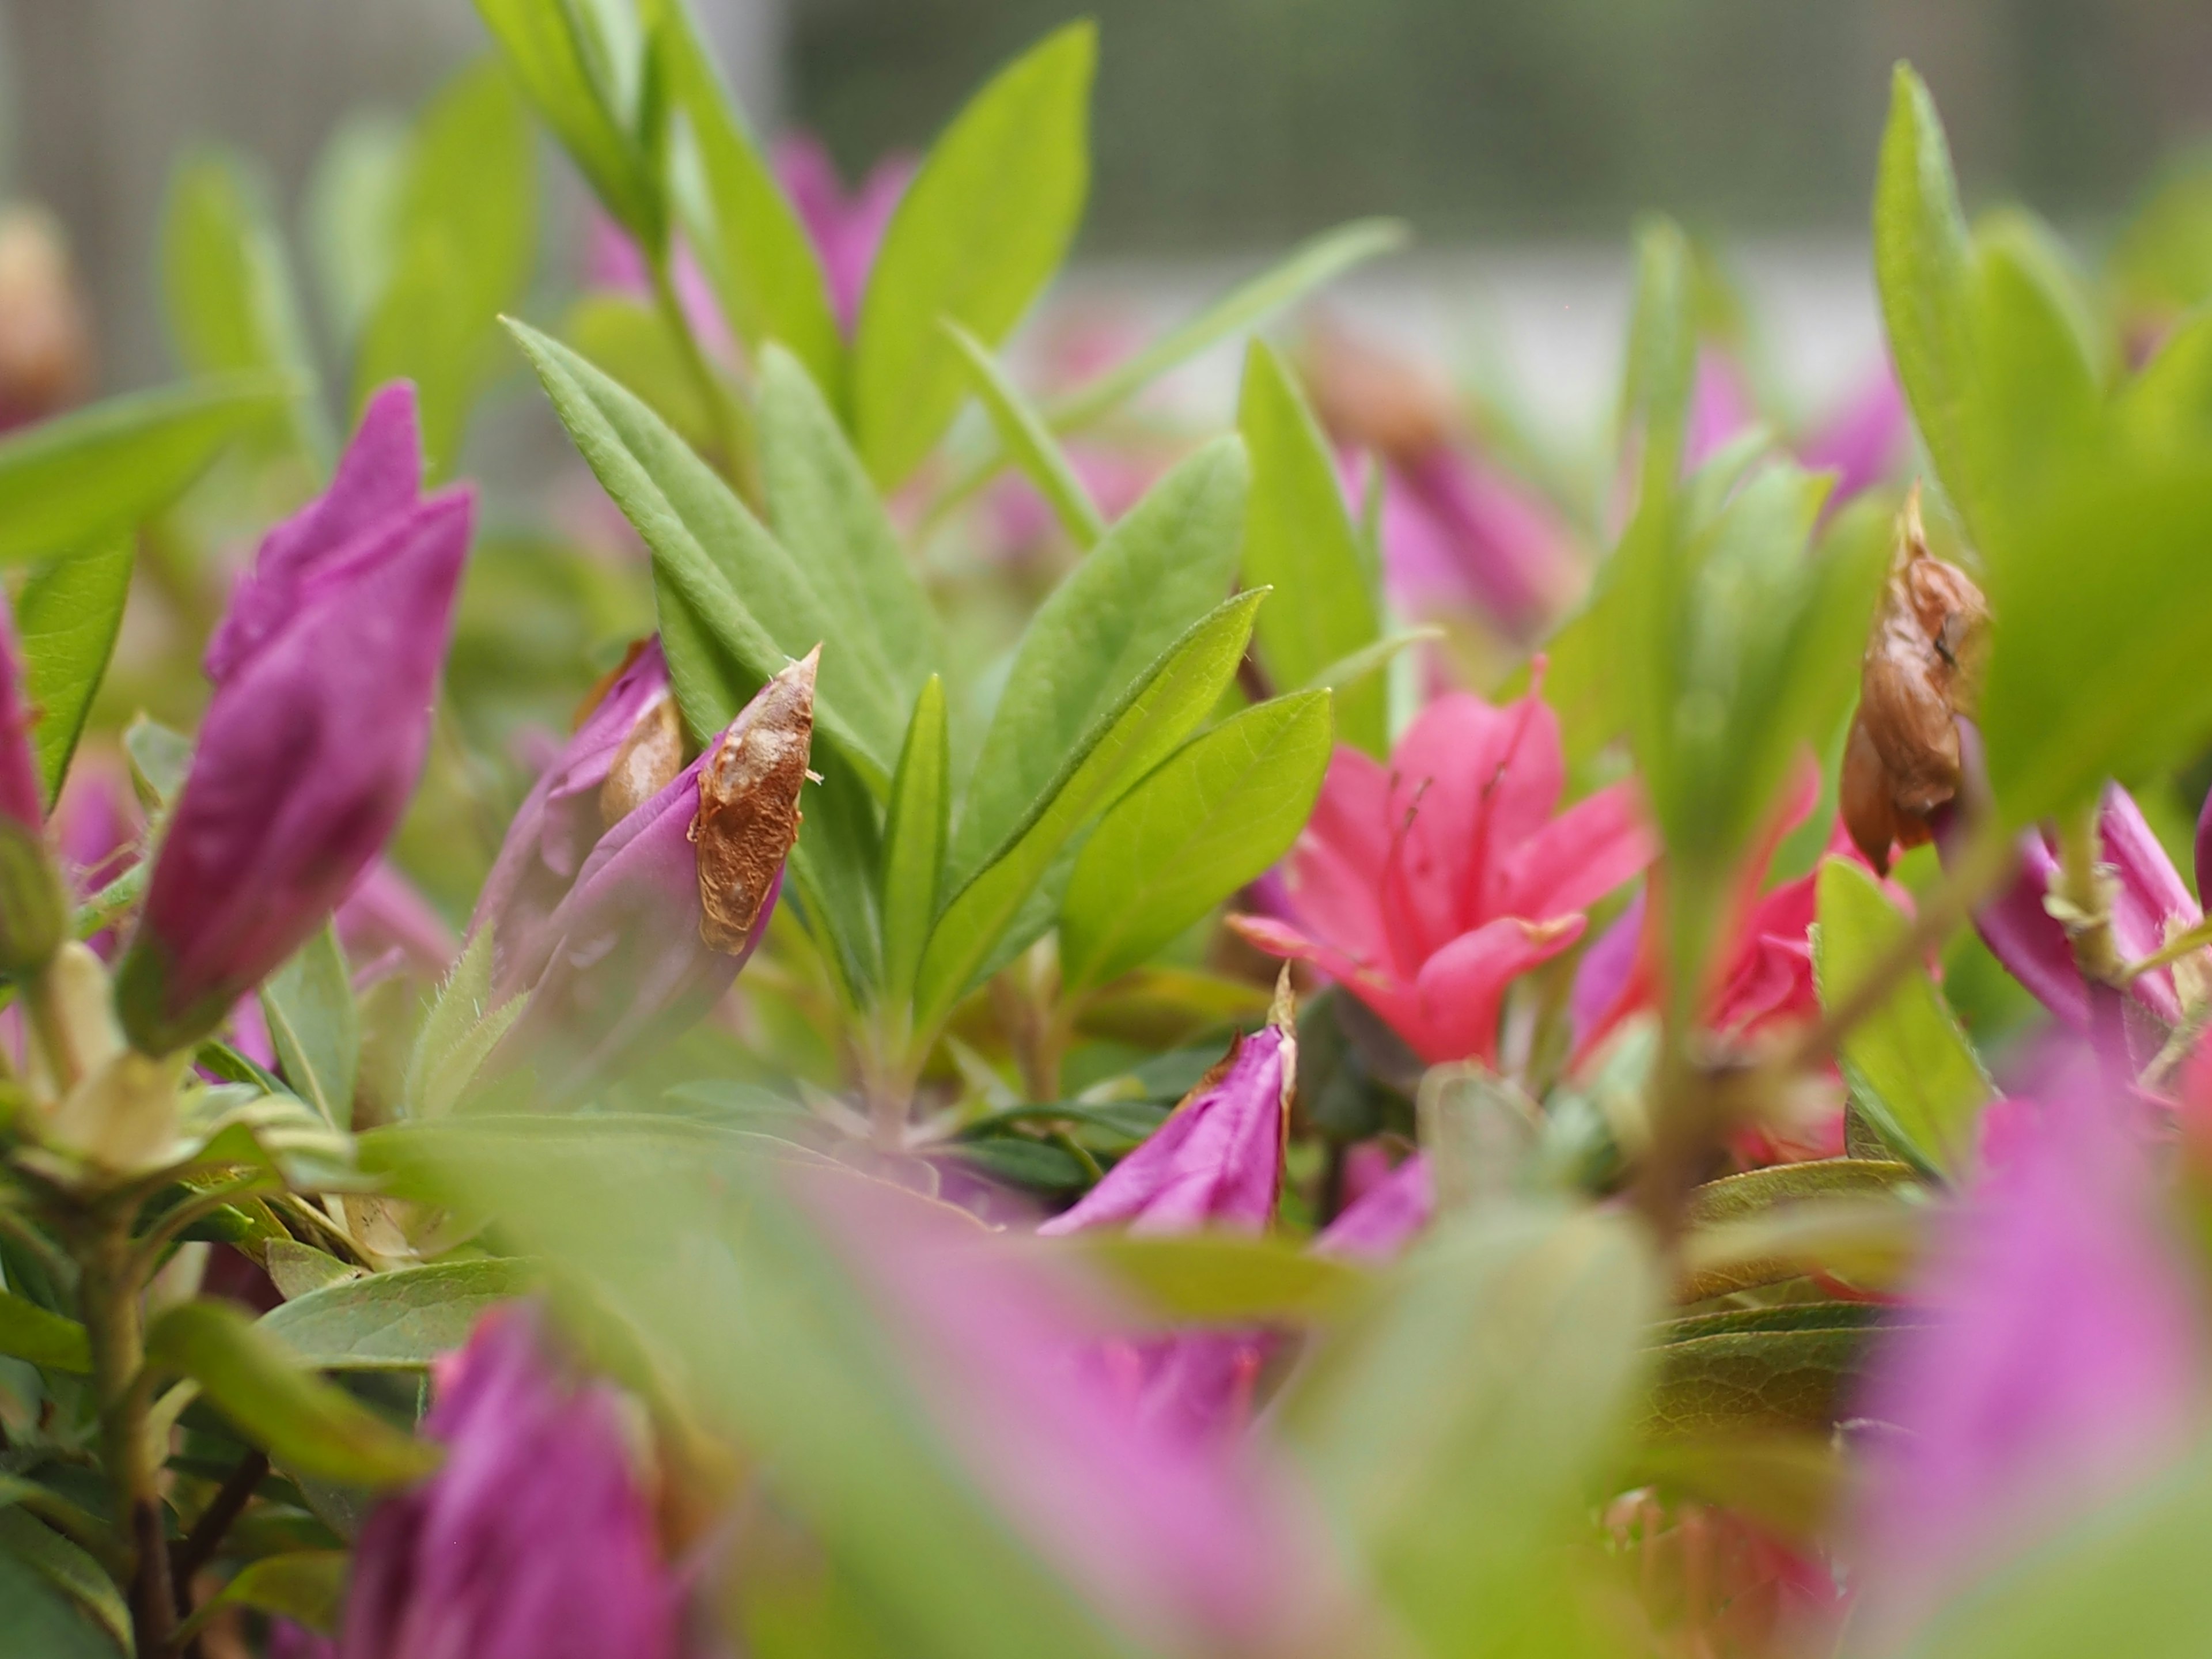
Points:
x=937 y=1011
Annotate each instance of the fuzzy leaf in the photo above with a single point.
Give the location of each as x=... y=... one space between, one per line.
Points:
x=316 y=1029
x=1025 y=436
x=396 y=1321
x=66 y=619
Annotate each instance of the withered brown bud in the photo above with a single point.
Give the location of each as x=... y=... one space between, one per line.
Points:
x=46 y=332
x=645 y=763
x=1922 y=669
x=748 y=816
x=1376 y=399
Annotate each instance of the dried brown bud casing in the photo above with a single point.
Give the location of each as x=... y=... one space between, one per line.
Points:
x=1922 y=670
x=748 y=816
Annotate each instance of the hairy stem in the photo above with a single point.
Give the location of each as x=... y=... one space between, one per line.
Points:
x=108 y=1298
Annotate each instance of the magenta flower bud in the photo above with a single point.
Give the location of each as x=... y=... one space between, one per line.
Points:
x=2203 y=850
x=534 y=1540
x=847 y=228
x=625 y=750
x=1385 y=1220
x=34 y=903
x=325 y=671
x=671 y=902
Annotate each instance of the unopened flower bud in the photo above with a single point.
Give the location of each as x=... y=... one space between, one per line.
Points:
x=1922 y=671
x=33 y=904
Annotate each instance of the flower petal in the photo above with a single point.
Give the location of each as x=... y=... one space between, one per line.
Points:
x=1462 y=986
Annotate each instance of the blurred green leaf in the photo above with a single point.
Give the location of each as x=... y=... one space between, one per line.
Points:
x=232 y=304
x=465 y=243
x=631 y=340
x=52 y=1591
x=67 y=482
x=66 y=620
x=1923 y=268
x=396 y=1320
x=1221 y=1279
x=749 y=239
x=29 y=1332
x=915 y=835
x=1660 y=365
x=584 y=86
x=976 y=238
x=2161 y=261
x=1167 y=563
x=2168 y=403
x=1912 y=1072
x=736 y=607
x=1299 y=537
x=2034 y=400
x=1036 y=1166
x=1157 y=712
x=1225 y=808
x=305 y=1425
x=158 y=759
x=1456 y=1425
x=309 y=1003
x=305 y=1586
x=827 y=513
x=351 y=211
x=1025 y=436
x=1792 y=1483
x=1762 y=1370
x=1316 y=261
x=834 y=868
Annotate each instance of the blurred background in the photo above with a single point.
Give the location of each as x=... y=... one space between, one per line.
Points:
x=1518 y=135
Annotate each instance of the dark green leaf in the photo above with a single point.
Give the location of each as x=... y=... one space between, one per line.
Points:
x=834 y=868
x=51 y=1591
x=305 y=1586
x=309 y=1003
x=1223 y=1279
x=305 y=1425
x=28 y=1330
x=975 y=238
x=1777 y=1369
x=66 y=619
x=1299 y=538
x=1021 y=1162
x=1210 y=819
x=396 y=1320
x=67 y=482
x=915 y=835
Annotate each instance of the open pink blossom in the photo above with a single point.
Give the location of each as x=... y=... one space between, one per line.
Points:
x=1427 y=886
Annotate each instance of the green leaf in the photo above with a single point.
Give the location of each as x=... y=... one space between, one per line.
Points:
x=1315 y=262
x=1911 y=1070
x=1299 y=538
x=312 y=1022
x=232 y=304
x=631 y=341
x=464 y=244
x=1454 y=1427
x=51 y=1591
x=351 y=211
x=834 y=869
x=975 y=238
x=827 y=513
x=459 y=1033
x=30 y=1332
x=305 y=1586
x=1768 y=1370
x=160 y=756
x=752 y=243
x=305 y=1425
x=396 y=1321
x=1156 y=714
x=1924 y=269
x=66 y=620
x=1163 y=567
x=2035 y=400
x=915 y=835
x=66 y=483
x=735 y=606
x=1026 y=437
x=1209 y=820
x=1661 y=362
x=585 y=87
x=1221 y=1279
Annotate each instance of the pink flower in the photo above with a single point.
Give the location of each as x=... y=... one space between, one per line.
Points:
x=1383 y=1220
x=1721 y=407
x=21 y=800
x=326 y=670
x=1425 y=887
x=535 y=1540
x=2052 y=1357
x=847 y=229
x=1458 y=528
x=387 y=926
x=34 y=906
x=1863 y=440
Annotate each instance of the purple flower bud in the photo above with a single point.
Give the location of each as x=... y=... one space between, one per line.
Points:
x=577 y=798
x=534 y=1540
x=326 y=671
x=34 y=903
x=671 y=902
x=387 y=926
x=1386 y=1218
x=2204 y=850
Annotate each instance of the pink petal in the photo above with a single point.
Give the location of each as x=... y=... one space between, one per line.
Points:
x=1462 y=986
x=1577 y=858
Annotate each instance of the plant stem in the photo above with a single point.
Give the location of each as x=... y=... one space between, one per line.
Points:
x=109 y=1299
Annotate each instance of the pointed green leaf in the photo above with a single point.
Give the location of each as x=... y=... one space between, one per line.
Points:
x=1765 y=1370
x=66 y=481
x=824 y=510
x=305 y=1425
x=396 y=1320
x=1157 y=712
x=735 y=606
x=1163 y=567
x=573 y=76
x=1224 y=809
x=976 y=238
x=833 y=869
x=1911 y=1070
x=30 y=1332
x=915 y=835
x=749 y=239
x=1299 y=538
x=305 y=1586
x=1024 y=436
x=309 y=1003
x=56 y=1602
x=66 y=618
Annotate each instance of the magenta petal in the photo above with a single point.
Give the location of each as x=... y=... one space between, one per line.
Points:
x=1863 y=442
x=1503 y=547
x=1385 y=1220
x=20 y=798
x=2052 y=1357
x=386 y=914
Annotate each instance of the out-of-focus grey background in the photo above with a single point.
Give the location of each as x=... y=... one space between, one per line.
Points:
x=1519 y=136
